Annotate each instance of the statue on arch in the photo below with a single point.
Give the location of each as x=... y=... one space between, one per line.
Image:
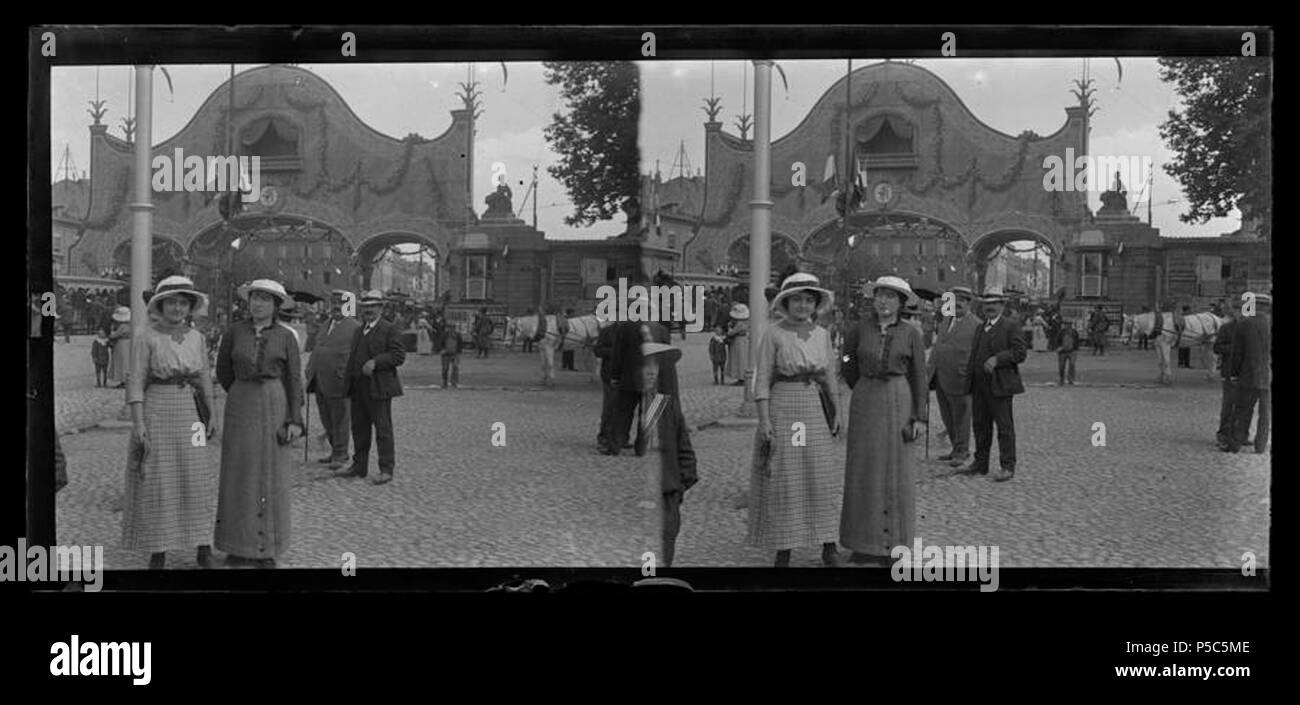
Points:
x=499 y=203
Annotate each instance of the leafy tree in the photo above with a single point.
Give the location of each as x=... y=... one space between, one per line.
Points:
x=597 y=138
x=1222 y=139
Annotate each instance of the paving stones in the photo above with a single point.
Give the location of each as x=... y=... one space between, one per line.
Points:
x=1157 y=494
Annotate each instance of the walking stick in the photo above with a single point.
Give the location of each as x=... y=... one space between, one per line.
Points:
x=927 y=424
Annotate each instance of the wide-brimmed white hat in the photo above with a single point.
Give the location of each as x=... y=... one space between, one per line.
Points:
x=892 y=283
x=270 y=286
x=673 y=354
x=177 y=285
x=740 y=312
x=373 y=297
x=803 y=281
x=122 y=314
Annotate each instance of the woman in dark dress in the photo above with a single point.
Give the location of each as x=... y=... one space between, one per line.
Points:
x=258 y=366
x=886 y=414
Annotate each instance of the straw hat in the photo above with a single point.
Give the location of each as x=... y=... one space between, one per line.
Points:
x=122 y=314
x=897 y=284
x=177 y=285
x=372 y=298
x=993 y=294
x=962 y=292
x=269 y=286
x=802 y=281
x=740 y=312
x=673 y=354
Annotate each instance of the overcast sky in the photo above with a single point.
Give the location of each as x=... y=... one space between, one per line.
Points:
x=1011 y=95
x=395 y=99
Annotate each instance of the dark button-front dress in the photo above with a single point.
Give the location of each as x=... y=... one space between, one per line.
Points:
x=260 y=372
x=879 y=496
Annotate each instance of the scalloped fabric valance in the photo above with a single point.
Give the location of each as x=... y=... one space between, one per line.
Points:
x=868 y=130
x=257 y=129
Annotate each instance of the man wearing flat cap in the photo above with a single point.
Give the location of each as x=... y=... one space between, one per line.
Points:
x=950 y=373
x=996 y=353
x=327 y=370
x=1249 y=369
x=377 y=352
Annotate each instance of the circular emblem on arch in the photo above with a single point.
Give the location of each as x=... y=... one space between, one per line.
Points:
x=270 y=196
x=883 y=193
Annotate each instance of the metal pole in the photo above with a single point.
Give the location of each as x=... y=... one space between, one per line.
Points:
x=760 y=238
x=142 y=207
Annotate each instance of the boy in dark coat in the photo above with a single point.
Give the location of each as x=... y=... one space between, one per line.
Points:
x=449 y=346
x=718 y=354
x=99 y=355
x=1067 y=353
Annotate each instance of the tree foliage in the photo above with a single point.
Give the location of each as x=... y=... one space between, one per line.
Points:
x=596 y=138
x=1222 y=139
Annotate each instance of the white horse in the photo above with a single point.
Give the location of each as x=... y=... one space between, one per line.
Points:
x=582 y=333
x=1199 y=330
x=520 y=328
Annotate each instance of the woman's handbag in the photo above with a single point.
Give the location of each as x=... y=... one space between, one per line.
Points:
x=201 y=405
x=828 y=406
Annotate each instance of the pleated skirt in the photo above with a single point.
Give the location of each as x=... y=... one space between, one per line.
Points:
x=879 y=495
x=171 y=507
x=798 y=504
x=253 y=505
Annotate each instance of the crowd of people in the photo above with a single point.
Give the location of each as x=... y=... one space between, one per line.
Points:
x=889 y=353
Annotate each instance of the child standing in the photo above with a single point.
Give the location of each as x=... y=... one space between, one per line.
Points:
x=718 y=355
x=99 y=355
x=663 y=429
x=450 y=347
x=1067 y=353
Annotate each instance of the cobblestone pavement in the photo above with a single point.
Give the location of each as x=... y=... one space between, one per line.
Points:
x=546 y=498
x=1157 y=495
x=78 y=403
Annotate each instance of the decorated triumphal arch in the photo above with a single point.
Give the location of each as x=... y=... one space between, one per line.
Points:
x=938 y=190
x=331 y=192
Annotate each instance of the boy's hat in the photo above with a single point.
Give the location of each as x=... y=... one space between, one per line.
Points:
x=673 y=354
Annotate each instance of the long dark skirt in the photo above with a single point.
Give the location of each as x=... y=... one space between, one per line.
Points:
x=253 y=508
x=879 y=497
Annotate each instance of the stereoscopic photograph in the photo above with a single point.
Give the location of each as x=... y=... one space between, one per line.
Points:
x=938 y=316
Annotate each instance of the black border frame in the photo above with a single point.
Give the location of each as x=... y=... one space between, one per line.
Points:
x=320 y=44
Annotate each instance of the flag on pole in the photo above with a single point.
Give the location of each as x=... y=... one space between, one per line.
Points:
x=829 y=186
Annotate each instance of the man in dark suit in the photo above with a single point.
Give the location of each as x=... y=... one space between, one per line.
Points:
x=996 y=353
x=327 y=371
x=604 y=350
x=1228 y=405
x=950 y=374
x=377 y=352
x=1250 y=370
